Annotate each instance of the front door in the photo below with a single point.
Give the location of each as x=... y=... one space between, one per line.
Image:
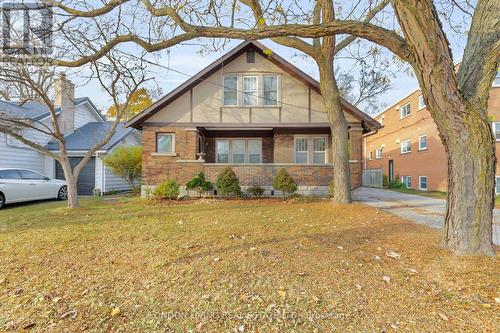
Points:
x=391 y=170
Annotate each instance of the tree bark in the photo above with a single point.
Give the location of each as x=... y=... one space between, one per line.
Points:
x=339 y=131
x=71 y=180
x=462 y=120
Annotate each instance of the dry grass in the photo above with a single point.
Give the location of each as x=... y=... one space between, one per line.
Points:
x=253 y=266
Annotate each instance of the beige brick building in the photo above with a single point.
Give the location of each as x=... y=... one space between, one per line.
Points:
x=408 y=147
x=251 y=110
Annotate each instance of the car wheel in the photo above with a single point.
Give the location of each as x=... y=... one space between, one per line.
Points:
x=2 y=200
x=63 y=193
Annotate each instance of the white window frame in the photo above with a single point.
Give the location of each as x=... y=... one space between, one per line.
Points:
x=310 y=148
x=421 y=102
x=401 y=116
x=497 y=180
x=158 y=134
x=377 y=155
x=493 y=126
x=420 y=183
x=237 y=89
x=406 y=151
x=246 y=159
x=370 y=155
x=256 y=90
x=403 y=178
x=420 y=142
x=264 y=101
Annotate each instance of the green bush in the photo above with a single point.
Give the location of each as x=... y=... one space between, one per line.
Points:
x=331 y=189
x=256 y=191
x=397 y=184
x=126 y=162
x=199 y=184
x=167 y=190
x=284 y=182
x=227 y=183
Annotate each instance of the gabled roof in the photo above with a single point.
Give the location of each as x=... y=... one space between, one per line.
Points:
x=138 y=120
x=86 y=137
x=37 y=110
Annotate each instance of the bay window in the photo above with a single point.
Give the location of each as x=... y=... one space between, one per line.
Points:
x=238 y=151
x=222 y=147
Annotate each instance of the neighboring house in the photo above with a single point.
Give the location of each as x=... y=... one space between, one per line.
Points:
x=251 y=110
x=408 y=147
x=82 y=124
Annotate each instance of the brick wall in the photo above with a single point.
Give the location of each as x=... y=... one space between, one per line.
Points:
x=278 y=149
x=158 y=168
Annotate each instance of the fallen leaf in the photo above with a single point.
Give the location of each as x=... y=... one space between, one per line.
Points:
x=115 y=312
x=443 y=316
x=386 y=278
x=393 y=255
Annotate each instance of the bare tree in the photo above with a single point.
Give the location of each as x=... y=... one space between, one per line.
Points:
x=117 y=75
x=457 y=100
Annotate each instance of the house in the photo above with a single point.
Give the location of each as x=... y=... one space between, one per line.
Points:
x=408 y=148
x=83 y=126
x=251 y=110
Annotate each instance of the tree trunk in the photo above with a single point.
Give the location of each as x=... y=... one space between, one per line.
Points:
x=339 y=130
x=460 y=114
x=70 y=183
x=471 y=185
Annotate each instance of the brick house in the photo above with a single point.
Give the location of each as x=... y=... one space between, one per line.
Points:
x=408 y=147
x=251 y=110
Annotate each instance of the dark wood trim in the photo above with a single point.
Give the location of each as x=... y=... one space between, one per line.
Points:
x=279 y=115
x=239 y=134
x=191 y=105
x=244 y=126
x=250 y=115
x=309 y=103
x=220 y=115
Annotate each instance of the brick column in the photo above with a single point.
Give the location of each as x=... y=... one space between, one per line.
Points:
x=355 y=154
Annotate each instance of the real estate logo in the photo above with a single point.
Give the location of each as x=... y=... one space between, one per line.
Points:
x=27 y=28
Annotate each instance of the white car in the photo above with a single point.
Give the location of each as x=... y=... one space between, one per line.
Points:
x=18 y=185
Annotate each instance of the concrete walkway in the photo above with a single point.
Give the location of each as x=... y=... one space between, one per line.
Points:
x=417 y=208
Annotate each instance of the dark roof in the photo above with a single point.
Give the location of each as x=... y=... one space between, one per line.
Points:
x=137 y=121
x=86 y=137
x=37 y=110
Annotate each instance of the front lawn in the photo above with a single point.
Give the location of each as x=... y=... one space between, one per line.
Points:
x=128 y=265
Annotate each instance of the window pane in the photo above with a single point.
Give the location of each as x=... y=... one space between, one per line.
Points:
x=319 y=144
x=250 y=90
x=231 y=90
x=254 y=151
x=301 y=144
x=222 y=148
x=319 y=158
x=9 y=174
x=423 y=183
x=238 y=147
x=300 y=157
x=25 y=174
x=270 y=90
x=421 y=102
x=423 y=142
x=496 y=129
x=497 y=185
x=165 y=143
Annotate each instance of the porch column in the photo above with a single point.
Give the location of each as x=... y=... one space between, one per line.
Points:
x=355 y=154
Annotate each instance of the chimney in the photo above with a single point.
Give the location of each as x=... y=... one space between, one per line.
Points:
x=65 y=96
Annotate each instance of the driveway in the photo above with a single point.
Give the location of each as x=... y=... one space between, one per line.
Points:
x=416 y=208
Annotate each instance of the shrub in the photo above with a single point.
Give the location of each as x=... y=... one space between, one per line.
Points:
x=331 y=189
x=227 y=183
x=126 y=162
x=199 y=184
x=397 y=185
x=167 y=190
x=385 y=181
x=284 y=182
x=256 y=191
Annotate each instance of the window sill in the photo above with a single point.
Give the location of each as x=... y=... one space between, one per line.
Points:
x=422 y=149
x=406 y=153
x=163 y=154
x=401 y=118
x=378 y=158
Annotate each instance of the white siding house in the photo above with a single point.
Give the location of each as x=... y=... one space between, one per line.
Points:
x=78 y=117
